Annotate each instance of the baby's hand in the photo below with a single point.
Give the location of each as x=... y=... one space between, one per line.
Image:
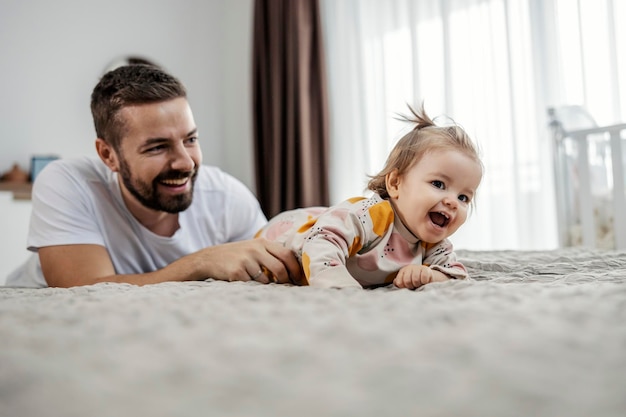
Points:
x=414 y=276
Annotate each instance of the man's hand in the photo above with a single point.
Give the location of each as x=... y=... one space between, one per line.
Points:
x=414 y=276
x=260 y=259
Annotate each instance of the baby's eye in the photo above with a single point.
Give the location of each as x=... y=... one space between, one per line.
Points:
x=438 y=184
x=464 y=198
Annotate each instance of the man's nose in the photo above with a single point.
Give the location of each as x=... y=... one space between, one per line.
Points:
x=182 y=160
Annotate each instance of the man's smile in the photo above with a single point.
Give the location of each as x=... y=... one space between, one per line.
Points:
x=175 y=182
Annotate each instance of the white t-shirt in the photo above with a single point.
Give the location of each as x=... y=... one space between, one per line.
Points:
x=78 y=201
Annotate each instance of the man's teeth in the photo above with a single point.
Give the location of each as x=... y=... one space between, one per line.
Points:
x=180 y=181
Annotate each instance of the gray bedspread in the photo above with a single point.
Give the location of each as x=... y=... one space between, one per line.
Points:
x=532 y=334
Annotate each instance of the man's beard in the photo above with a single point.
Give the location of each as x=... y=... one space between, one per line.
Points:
x=148 y=194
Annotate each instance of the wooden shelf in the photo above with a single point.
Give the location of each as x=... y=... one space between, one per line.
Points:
x=20 y=190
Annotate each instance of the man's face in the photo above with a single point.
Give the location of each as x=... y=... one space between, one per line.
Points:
x=159 y=155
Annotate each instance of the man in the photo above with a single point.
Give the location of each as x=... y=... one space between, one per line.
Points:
x=147 y=211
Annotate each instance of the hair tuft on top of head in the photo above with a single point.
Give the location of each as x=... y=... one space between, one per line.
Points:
x=425 y=137
x=418 y=117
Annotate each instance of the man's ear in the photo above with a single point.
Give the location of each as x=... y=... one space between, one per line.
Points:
x=107 y=154
x=392 y=182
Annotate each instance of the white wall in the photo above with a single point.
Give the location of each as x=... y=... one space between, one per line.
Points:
x=52 y=53
x=14 y=215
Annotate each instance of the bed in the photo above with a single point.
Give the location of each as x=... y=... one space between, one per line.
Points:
x=531 y=334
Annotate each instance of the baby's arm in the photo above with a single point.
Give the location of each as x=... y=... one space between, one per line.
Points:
x=414 y=276
x=439 y=264
x=326 y=248
x=441 y=257
x=337 y=277
x=340 y=233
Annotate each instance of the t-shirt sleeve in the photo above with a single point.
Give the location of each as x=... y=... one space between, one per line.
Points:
x=244 y=216
x=61 y=212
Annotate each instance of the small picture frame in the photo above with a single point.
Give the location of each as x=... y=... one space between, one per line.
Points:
x=38 y=162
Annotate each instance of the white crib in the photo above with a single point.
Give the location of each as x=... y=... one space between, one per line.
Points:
x=590 y=184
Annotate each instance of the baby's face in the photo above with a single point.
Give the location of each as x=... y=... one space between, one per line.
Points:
x=433 y=197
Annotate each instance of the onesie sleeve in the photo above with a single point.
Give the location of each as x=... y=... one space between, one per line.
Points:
x=341 y=232
x=442 y=258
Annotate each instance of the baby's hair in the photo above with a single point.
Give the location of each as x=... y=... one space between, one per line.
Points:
x=425 y=137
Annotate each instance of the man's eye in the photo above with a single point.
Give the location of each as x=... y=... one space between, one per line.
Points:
x=192 y=140
x=155 y=149
x=438 y=184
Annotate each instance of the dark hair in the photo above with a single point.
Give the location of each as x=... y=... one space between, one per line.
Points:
x=411 y=148
x=126 y=86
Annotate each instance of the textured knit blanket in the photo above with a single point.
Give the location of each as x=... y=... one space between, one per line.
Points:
x=531 y=334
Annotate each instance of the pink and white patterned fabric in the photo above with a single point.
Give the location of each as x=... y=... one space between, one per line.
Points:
x=359 y=242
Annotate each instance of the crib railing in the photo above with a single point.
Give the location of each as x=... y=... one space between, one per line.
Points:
x=574 y=185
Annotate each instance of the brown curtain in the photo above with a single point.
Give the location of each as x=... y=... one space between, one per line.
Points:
x=290 y=106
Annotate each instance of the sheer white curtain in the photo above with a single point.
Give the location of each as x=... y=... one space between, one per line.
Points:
x=493 y=66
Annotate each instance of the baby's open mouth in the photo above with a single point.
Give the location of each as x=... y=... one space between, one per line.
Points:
x=439 y=218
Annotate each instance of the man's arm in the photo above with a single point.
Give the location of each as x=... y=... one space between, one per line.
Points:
x=75 y=265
